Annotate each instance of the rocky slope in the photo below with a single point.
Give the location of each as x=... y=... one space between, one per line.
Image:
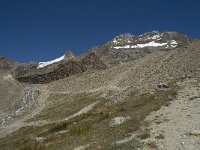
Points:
x=128 y=47
x=122 y=48
x=60 y=70
x=100 y=100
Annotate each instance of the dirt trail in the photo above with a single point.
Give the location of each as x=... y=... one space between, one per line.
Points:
x=171 y=126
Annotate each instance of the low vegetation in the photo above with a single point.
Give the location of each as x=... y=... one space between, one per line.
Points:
x=92 y=127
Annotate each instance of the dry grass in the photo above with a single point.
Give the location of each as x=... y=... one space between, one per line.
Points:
x=92 y=127
x=61 y=106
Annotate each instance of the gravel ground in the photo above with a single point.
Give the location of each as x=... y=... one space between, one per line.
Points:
x=176 y=127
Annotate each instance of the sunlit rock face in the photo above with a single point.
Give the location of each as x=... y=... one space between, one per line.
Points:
x=128 y=47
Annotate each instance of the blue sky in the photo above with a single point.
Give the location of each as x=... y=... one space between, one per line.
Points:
x=40 y=30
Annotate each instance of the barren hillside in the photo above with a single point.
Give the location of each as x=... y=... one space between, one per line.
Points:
x=122 y=95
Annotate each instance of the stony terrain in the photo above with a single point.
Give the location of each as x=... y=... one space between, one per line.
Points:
x=107 y=98
x=71 y=67
x=178 y=124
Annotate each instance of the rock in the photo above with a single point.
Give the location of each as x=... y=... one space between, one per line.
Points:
x=162 y=86
x=195 y=132
x=39 y=139
x=117 y=121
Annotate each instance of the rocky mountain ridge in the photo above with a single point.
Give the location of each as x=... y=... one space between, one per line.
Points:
x=127 y=47
x=113 y=88
x=122 y=48
x=62 y=70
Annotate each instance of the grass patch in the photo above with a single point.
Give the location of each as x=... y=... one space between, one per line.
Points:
x=93 y=127
x=63 y=105
x=78 y=130
x=59 y=127
x=144 y=135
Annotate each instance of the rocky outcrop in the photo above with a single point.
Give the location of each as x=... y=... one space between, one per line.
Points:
x=128 y=47
x=66 y=69
x=122 y=48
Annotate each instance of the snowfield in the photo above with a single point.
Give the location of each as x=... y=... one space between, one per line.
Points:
x=173 y=43
x=44 y=64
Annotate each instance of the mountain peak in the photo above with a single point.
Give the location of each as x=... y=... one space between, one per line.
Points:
x=69 y=55
x=154 y=39
x=127 y=47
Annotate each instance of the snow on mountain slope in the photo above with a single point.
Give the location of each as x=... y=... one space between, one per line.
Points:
x=150 y=39
x=150 y=44
x=44 y=64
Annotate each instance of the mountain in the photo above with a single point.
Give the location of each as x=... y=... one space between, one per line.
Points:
x=60 y=68
x=68 y=55
x=129 y=47
x=133 y=92
x=7 y=64
x=122 y=48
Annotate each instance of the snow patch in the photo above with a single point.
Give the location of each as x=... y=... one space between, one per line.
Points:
x=115 y=41
x=44 y=64
x=174 y=42
x=122 y=47
x=150 y=44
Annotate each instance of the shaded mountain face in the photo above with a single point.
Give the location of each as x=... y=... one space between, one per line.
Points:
x=61 y=70
x=27 y=68
x=128 y=47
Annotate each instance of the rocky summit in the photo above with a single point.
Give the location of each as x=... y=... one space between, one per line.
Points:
x=128 y=47
x=133 y=92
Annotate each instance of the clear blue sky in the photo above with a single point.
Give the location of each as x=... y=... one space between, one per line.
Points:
x=40 y=30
